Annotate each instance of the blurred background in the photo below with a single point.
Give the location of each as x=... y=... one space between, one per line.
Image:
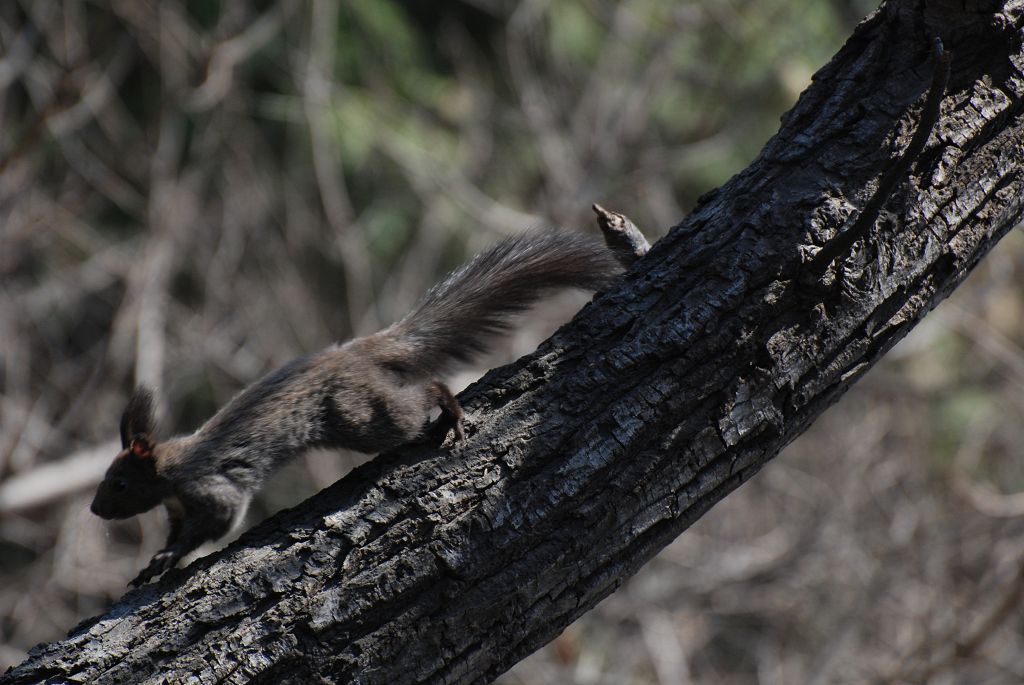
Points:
x=193 y=192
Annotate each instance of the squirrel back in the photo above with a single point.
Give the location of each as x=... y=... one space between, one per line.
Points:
x=456 y=318
x=369 y=394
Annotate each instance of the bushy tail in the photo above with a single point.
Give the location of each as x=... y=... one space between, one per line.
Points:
x=457 y=316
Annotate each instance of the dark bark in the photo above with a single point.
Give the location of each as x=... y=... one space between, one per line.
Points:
x=587 y=457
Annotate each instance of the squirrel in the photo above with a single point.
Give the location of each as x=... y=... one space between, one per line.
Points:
x=369 y=394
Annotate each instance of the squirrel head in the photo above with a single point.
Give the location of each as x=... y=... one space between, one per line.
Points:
x=132 y=484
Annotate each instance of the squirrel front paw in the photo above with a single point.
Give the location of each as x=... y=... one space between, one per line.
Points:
x=162 y=561
x=437 y=431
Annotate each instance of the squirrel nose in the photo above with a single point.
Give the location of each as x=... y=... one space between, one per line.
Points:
x=96 y=509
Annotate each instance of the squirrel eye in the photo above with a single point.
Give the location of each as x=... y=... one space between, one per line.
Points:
x=119 y=485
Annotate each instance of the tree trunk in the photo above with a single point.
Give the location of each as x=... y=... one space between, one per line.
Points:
x=587 y=457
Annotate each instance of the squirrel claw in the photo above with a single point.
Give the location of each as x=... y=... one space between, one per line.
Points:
x=161 y=562
x=437 y=431
x=144 y=576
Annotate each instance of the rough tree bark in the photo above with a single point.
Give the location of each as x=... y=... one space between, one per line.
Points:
x=587 y=457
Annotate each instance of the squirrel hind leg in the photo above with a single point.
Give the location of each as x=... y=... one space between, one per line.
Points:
x=451 y=411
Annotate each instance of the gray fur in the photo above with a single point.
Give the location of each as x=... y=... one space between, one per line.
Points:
x=370 y=394
x=456 y=317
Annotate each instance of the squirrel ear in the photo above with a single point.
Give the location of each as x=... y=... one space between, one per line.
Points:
x=141 y=447
x=137 y=419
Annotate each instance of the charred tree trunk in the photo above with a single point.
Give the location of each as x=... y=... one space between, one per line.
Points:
x=584 y=459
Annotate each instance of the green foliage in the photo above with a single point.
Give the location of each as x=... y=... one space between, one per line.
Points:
x=574 y=34
x=402 y=98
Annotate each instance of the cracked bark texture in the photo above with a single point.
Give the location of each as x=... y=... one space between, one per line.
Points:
x=590 y=455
